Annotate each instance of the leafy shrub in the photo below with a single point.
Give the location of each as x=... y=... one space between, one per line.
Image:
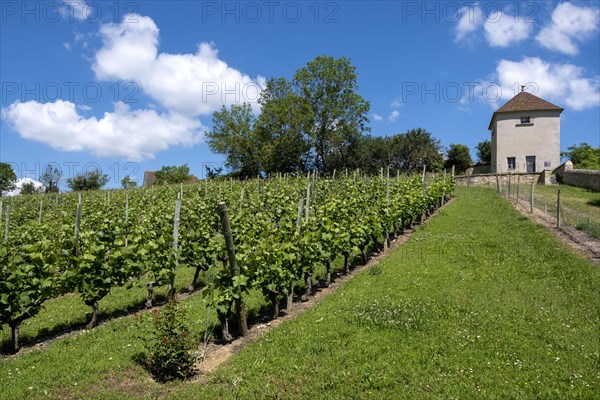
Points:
x=170 y=344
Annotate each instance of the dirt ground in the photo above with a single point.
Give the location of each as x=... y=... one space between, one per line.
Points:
x=215 y=354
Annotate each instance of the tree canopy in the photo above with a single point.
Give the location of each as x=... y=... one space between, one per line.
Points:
x=50 y=178
x=7 y=178
x=30 y=188
x=459 y=156
x=173 y=174
x=316 y=120
x=337 y=114
x=233 y=134
x=583 y=156
x=90 y=180
x=128 y=182
x=484 y=152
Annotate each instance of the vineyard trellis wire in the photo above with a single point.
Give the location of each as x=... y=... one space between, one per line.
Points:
x=281 y=229
x=551 y=209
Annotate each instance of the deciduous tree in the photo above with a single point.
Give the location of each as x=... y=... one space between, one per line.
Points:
x=583 y=156
x=234 y=136
x=484 y=152
x=459 y=156
x=50 y=178
x=281 y=128
x=91 y=180
x=337 y=113
x=7 y=178
x=168 y=175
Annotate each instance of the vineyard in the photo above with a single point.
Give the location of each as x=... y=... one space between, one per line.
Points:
x=264 y=235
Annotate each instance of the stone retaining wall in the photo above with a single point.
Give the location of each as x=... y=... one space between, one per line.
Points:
x=585 y=178
x=490 y=179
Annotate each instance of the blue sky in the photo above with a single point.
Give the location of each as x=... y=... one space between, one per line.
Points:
x=131 y=86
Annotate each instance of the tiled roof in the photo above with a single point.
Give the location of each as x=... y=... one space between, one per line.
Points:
x=524 y=101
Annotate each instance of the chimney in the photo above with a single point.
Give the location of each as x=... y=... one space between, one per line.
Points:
x=522 y=88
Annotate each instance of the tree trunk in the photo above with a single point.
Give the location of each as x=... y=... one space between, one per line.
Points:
x=290 y=299
x=195 y=280
x=224 y=320
x=328 y=275
x=275 y=301
x=14 y=327
x=346 y=263
x=150 y=286
x=170 y=291
x=308 y=282
x=401 y=230
x=95 y=314
x=364 y=254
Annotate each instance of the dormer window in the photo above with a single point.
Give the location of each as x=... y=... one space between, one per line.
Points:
x=525 y=120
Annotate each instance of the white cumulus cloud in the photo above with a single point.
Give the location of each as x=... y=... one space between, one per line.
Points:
x=563 y=84
x=376 y=117
x=471 y=18
x=569 y=24
x=393 y=116
x=132 y=135
x=502 y=29
x=192 y=84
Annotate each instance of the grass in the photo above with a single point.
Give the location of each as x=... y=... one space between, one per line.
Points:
x=581 y=207
x=480 y=303
x=67 y=313
x=582 y=200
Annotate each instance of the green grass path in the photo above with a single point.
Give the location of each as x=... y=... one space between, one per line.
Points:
x=480 y=303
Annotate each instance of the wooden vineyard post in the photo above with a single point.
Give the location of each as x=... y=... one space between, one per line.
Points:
x=77 y=219
x=290 y=299
x=424 y=179
x=171 y=287
x=387 y=188
x=126 y=218
x=307 y=200
x=444 y=189
x=235 y=272
x=452 y=194
x=532 y=196
x=498 y=184
x=40 y=212
x=558 y=210
x=6 y=231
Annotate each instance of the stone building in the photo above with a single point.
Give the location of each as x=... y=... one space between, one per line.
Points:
x=525 y=135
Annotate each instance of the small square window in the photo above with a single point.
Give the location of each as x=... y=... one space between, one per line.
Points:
x=525 y=120
x=511 y=162
x=547 y=164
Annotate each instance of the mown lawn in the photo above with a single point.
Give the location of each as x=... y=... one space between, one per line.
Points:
x=480 y=303
x=581 y=207
x=583 y=200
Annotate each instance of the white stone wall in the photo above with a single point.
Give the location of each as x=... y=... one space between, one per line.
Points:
x=540 y=138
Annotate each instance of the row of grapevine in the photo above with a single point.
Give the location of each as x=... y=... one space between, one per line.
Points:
x=282 y=228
